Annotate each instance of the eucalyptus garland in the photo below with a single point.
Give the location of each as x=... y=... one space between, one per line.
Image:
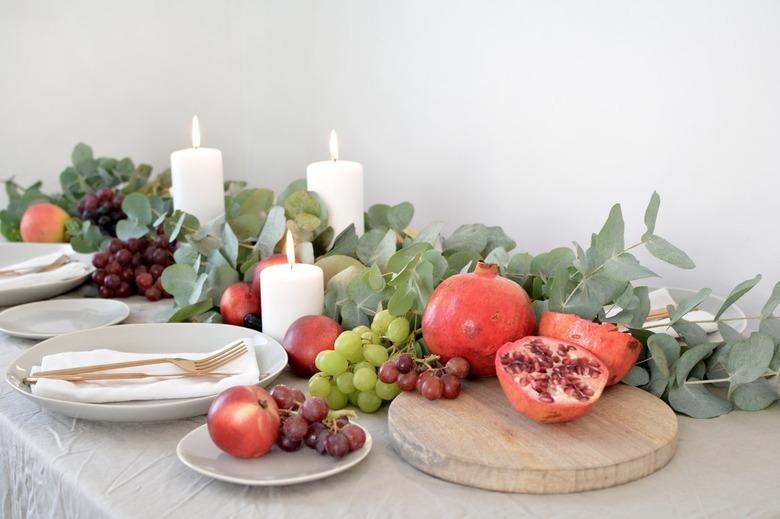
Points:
x=390 y=266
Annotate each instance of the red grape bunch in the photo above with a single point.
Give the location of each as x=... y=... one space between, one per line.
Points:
x=133 y=267
x=432 y=383
x=309 y=421
x=103 y=208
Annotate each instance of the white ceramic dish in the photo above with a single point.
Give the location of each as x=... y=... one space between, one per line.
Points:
x=145 y=338
x=45 y=319
x=711 y=305
x=12 y=253
x=276 y=468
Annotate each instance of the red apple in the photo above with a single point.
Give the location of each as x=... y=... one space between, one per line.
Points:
x=276 y=259
x=305 y=338
x=44 y=223
x=244 y=421
x=238 y=300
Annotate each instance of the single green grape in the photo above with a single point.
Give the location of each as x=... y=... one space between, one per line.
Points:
x=332 y=362
x=336 y=399
x=381 y=321
x=387 y=391
x=350 y=346
x=319 y=386
x=344 y=383
x=398 y=331
x=362 y=364
x=375 y=354
x=318 y=359
x=360 y=330
x=364 y=379
x=353 y=397
x=371 y=338
x=368 y=401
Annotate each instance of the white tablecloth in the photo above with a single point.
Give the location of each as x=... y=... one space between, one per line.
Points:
x=60 y=467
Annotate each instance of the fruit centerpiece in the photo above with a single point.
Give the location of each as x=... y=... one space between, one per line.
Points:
x=411 y=310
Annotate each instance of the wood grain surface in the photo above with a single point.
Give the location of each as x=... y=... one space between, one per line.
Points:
x=479 y=440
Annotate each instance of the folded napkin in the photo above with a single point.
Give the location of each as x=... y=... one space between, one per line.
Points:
x=71 y=270
x=100 y=391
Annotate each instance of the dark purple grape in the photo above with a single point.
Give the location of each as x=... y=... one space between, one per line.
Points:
x=98 y=276
x=105 y=194
x=100 y=260
x=295 y=427
x=153 y=294
x=450 y=386
x=117 y=200
x=124 y=290
x=322 y=440
x=314 y=409
x=90 y=202
x=458 y=366
x=337 y=445
x=342 y=421
x=137 y=260
x=404 y=363
x=355 y=435
x=112 y=281
x=156 y=271
x=106 y=292
x=283 y=396
x=134 y=244
x=388 y=372
x=407 y=381
x=160 y=256
x=144 y=280
x=115 y=246
x=298 y=397
x=114 y=268
x=287 y=444
x=432 y=388
x=312 y=433
x=254 y=321
x=162 y=241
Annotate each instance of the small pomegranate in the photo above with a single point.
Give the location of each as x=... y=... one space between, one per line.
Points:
x=549 y=380
x=472 y=315
x=618 y=350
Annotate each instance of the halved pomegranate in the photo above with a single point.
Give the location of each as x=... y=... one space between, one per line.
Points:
x=550 y=380
x=618 y=350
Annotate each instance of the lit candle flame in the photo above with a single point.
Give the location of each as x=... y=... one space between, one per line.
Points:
x=334 y=146
x=289 y=248
x=195 y=132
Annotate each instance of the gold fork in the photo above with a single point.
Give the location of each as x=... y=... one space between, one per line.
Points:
x=62 y=260
x=89 y=377
x=205 y=365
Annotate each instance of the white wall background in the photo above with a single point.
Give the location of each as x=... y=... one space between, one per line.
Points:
x=533 y=115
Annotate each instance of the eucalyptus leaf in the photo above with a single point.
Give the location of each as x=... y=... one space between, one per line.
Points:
x=187 y=312
x=688 y=304
x=400 y=216
x=345 y=243
x=696 y=401
x=750 y=359
x=272 y=232
x=754 y=396
x=638 y=376
x=689 y=359
x=230 y=245
x=665 y=251
x=431 y=233
x=137 y=208
x=376 y=247
x=739 y=291
x=179 y=280
x=651 y=215
x=472 y=238
x=772 y=302
x=692 y=333
x=127 y=229
x=729 y=334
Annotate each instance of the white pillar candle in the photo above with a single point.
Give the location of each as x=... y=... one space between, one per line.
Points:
x=197 y=181
x=339 y=184
x=288 y=292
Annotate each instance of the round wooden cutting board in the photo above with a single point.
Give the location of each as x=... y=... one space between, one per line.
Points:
x=479 y=440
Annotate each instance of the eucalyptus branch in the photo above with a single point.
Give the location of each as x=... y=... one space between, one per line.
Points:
x=728 y=379
x=704 y=321
x=598 y=269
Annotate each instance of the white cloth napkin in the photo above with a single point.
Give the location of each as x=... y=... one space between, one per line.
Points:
x=140 y=389
x=71 y=270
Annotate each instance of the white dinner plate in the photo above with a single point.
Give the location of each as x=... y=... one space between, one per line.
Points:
x=145 y=338
x=45 y=319
x=276 y=468
x=16 y=252
x=712 y=304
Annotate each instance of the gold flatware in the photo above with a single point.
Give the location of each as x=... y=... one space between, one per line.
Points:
x=200 y=366
x=57 y=263
x=89 y=377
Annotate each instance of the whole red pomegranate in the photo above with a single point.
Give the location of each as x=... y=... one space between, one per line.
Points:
x=244 y=421
x=618 y=350
x=305 y=338
x=472 y=315
x=238 y=300
x=550 y=380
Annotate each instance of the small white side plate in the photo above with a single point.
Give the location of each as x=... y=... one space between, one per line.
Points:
x=46 y=319
x=276 y=468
